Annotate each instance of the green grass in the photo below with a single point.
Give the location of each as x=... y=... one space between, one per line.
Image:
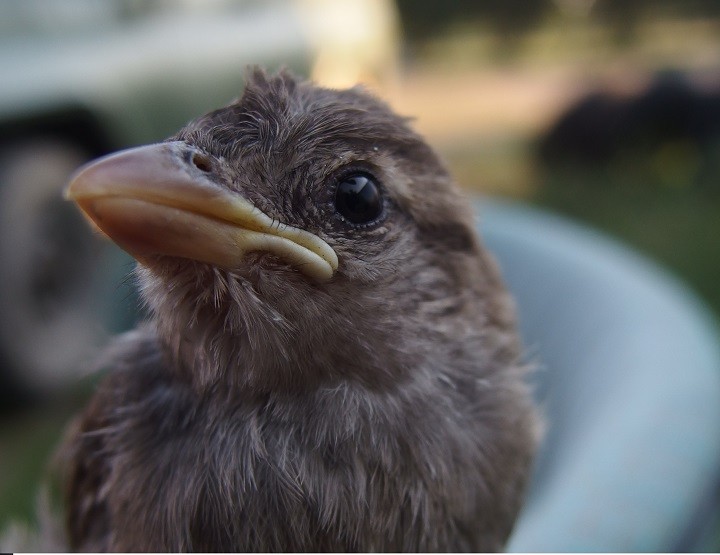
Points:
x=677 y=226
x=28 y=440
x=27 y=446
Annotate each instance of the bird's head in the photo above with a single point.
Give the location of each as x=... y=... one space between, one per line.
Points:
x=298 y=235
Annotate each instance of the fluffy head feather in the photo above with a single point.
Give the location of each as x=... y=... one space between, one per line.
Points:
x=420 y=271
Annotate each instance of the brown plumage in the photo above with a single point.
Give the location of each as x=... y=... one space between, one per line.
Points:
x=331 y=361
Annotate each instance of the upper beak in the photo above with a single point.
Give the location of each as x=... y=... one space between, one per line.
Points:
x=153 y=200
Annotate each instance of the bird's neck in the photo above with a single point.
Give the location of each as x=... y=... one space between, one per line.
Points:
x=219 y=328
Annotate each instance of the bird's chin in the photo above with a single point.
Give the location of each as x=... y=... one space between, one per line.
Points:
x=267 y=267
x=167 y=269
x=265 y=275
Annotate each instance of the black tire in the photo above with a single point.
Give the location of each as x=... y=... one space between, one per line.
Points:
x=52 y=316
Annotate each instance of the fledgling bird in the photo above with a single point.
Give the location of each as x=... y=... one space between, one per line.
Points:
x=331 y=361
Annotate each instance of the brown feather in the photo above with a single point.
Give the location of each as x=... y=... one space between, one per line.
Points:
x=261 y=411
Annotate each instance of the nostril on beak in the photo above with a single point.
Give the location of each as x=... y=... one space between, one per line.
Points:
x=201 y=162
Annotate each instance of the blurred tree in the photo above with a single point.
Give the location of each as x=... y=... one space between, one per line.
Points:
x=623 y=17
x=511 y=19
x=423 y=19
x=667 y=135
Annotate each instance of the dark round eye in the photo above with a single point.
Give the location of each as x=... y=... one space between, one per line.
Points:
x=358 y=199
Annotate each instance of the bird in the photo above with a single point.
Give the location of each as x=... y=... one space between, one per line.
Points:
x=330 y=361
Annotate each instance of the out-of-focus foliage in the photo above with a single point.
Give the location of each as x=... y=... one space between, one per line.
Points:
x=423 y=19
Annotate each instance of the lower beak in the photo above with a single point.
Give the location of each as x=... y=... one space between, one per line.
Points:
x=154 y=200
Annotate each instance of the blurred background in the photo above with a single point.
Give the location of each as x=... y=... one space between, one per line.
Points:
x=607 y=111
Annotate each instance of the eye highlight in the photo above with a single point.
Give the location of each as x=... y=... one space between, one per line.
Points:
x=358 y=199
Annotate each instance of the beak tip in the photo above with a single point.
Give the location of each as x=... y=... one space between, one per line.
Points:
x=73 y=189
x=68 y=193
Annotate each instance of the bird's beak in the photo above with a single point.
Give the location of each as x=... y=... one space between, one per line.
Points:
x=153 y=200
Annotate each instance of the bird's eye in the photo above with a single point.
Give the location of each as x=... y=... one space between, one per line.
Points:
x=358 y=199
